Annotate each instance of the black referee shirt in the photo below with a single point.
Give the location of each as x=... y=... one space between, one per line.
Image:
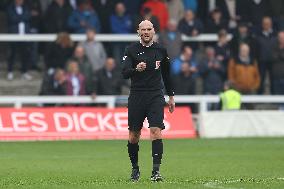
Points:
x=157 y=67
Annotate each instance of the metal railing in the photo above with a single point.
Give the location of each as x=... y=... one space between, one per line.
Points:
x=99 y=37
x=112 y=101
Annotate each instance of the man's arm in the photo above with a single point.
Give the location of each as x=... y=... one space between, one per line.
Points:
x=127 y=67
x=166 y=73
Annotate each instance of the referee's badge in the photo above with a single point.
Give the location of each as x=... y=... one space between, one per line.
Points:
x=158 y=63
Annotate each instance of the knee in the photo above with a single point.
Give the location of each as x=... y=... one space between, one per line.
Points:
x=155 y=133
x=134 y=137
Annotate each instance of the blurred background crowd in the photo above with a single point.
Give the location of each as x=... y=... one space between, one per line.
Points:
x=253 y=55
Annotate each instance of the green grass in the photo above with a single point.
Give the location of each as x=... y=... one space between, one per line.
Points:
x=221 y=164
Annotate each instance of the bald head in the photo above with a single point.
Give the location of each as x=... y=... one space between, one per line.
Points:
x=146 y=32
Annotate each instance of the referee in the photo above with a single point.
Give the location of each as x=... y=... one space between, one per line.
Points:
x=146 y=63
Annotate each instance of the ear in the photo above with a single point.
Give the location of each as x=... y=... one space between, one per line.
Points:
x=138 y=33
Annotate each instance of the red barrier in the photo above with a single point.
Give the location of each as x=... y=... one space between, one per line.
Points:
x=83 y=123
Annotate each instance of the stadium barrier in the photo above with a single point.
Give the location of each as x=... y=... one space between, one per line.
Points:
x=242 y=124
x=99 y=37
x=69 y=123
x=41 y=120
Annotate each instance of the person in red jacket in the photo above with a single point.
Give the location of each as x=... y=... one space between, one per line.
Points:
x=160 y=10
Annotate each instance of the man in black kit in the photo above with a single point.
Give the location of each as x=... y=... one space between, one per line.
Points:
x=146 y=63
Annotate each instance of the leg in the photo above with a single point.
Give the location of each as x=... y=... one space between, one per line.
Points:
x=133 y=148
x=157 y=147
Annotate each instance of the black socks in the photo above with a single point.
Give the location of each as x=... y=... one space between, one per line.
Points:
x=133 y=154
x=157 y=152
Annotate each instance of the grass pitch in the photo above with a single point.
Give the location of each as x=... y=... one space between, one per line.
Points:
x=220 y=164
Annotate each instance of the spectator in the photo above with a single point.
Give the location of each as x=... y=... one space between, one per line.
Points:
x=266 y=40
x=56 y=17
x=59 y=52
x=230 y=99
x=184 y=82
x=94 y=50
x=190 y=25
x=277 y=11
x=243 y=71
x=159 y=9
x=186 y=56
x=278 y=65
x=257 y=10
x=176 y=9
x=212 y=72
x=243 y=35
x=19 y=17
x=84 y=17
x=75 y=81
x=232 y=11
x=104 y=10
x=120 y=24
x=54 y=84
x=108 y=79
x=147 y=15
x=85 y=67
x=222 y=48
x=35 y=26
x=190 y=5
x=171 y=39
x=216 y=22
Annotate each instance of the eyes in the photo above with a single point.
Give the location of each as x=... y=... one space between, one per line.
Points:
x=146 y=29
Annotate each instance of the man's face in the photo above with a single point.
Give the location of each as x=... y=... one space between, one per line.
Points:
x=79 y=52
x=91 y=35
x=146 y=31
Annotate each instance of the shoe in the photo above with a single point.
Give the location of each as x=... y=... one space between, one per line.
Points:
x=135 y=175
x=27 y=76
x=156 y=176
x=10 y=76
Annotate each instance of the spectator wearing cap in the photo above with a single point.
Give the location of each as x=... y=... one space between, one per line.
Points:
x=160 y=10
x=84 y=17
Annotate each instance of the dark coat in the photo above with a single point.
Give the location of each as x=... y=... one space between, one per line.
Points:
x=14 y=19
x=186 y=29
x=105 y=85
x=50 y=87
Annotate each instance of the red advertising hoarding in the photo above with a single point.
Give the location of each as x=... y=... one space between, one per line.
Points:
x=78 y=123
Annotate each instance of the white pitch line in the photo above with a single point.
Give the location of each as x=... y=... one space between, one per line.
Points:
x=217 y=184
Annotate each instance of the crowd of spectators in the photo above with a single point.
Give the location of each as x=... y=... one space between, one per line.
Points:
x=91 y=67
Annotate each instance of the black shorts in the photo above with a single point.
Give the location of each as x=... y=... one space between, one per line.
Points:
x=142 y=104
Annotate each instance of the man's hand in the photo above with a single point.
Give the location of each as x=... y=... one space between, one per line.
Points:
x=171 y=104
x=141 y=67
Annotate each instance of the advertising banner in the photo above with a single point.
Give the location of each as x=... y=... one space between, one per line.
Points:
x=84 y=123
